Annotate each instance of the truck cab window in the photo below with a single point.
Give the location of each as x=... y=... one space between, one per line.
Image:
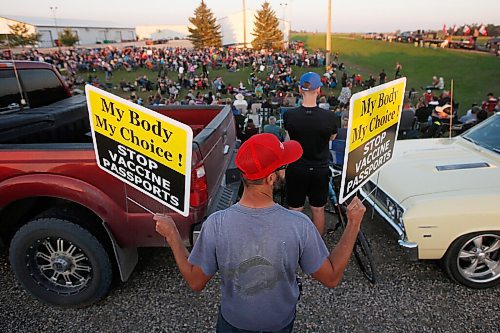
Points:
x=42 y=87
x=10 y=98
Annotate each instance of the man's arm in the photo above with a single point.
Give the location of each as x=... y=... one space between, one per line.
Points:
x=193 y=274
x=331 y=271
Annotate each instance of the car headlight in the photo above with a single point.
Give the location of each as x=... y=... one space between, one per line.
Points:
x=391 y=208
x=394 y=211
x=400 y=216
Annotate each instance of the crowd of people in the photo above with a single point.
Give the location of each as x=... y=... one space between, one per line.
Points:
x=178 y=69
x=436 y=108
x=184 y=76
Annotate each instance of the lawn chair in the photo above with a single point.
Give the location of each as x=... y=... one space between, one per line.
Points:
x=407 y=124
x=242 y=109
x=255 y=108
x=422 y=117
x=264 y=114
x=337 y=152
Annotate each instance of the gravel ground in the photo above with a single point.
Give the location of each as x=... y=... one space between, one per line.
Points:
x=409 y=297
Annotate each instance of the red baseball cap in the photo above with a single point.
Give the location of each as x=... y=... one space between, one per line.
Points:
x=262 y=154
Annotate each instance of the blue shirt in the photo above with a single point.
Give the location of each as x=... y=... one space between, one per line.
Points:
x=276 y=130
x=258 y=252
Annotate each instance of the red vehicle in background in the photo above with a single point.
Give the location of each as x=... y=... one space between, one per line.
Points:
x=71 y=227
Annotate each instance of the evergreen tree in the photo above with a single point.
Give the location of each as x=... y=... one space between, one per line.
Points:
x=206 y=31
x=67 y=37
x=20 y=36
x=267 y=33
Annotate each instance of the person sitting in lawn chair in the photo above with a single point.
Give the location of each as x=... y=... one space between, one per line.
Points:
x=441 y=116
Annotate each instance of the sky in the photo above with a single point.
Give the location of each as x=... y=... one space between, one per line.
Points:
x=309 y=15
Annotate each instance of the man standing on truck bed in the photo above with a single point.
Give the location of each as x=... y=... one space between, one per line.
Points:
x=257 y=245
x=314 y=128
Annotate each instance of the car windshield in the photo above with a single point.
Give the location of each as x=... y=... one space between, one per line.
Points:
x=486 y=134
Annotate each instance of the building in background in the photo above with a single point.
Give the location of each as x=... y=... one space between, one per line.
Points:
x=96 y=32
x=162 y=32
x=88 y=32
x=232 y=28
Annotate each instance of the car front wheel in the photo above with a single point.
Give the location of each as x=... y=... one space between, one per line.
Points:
x=474 y=260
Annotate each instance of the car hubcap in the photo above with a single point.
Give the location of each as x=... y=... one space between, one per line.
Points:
x=479 y=259
x=58 y=265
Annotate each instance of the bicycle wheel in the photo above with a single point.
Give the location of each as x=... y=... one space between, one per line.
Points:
x=330 y=208
x=364 y=258
x=331 y=202
x=362 y=251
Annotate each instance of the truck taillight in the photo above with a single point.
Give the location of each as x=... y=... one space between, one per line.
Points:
x=199 y=188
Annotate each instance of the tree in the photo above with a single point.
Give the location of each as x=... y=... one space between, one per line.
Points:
x=206 y=31
x=20 y=35
x=67 y=37
x=267 y=33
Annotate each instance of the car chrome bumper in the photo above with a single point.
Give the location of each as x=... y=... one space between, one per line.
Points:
x=410 y=248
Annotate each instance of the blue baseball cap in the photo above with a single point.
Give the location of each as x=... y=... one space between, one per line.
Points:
x=313 y=79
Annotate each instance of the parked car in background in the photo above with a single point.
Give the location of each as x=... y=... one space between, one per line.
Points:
x=409 y=37
x=161 y=41
x=442 y=198
x=373 y=35
x=493 y=44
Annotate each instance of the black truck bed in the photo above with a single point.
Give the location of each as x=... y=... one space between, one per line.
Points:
x=63 y=121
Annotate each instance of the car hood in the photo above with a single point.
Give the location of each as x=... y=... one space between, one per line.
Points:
x=413 y=170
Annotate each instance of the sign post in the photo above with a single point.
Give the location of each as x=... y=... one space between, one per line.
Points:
x=374 y=116
x=143 y=148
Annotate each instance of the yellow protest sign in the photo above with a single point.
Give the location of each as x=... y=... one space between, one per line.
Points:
x=374 y=116
x=143 y=148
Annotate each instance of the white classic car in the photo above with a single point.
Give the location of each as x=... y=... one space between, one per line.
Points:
x=442 y=196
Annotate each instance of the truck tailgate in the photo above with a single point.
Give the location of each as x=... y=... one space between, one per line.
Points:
x=216 y=144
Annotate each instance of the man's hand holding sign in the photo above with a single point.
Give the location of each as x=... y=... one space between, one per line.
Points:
x=143 y=148
x=373 y=126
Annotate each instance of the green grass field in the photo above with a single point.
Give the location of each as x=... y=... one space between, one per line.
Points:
x=233 y=78
x=474 y=74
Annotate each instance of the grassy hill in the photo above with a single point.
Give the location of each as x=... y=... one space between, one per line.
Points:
x=475 y=74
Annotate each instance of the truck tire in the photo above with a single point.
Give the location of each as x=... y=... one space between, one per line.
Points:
x=60 y=263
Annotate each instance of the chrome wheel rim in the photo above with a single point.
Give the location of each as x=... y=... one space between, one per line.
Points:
x=58 y=265
x=479 y=259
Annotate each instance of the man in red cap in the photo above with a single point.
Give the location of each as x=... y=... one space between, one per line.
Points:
x=257 y=245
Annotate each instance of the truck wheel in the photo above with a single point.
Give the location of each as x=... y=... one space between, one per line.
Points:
x=474 y=260
x=60 y=263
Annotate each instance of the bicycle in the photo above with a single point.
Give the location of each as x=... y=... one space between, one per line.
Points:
x=362 y=250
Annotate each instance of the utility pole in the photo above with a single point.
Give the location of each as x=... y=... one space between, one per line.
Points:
x=54 y=9
x=244 y=24
x=329 y=33
x=284 y=4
